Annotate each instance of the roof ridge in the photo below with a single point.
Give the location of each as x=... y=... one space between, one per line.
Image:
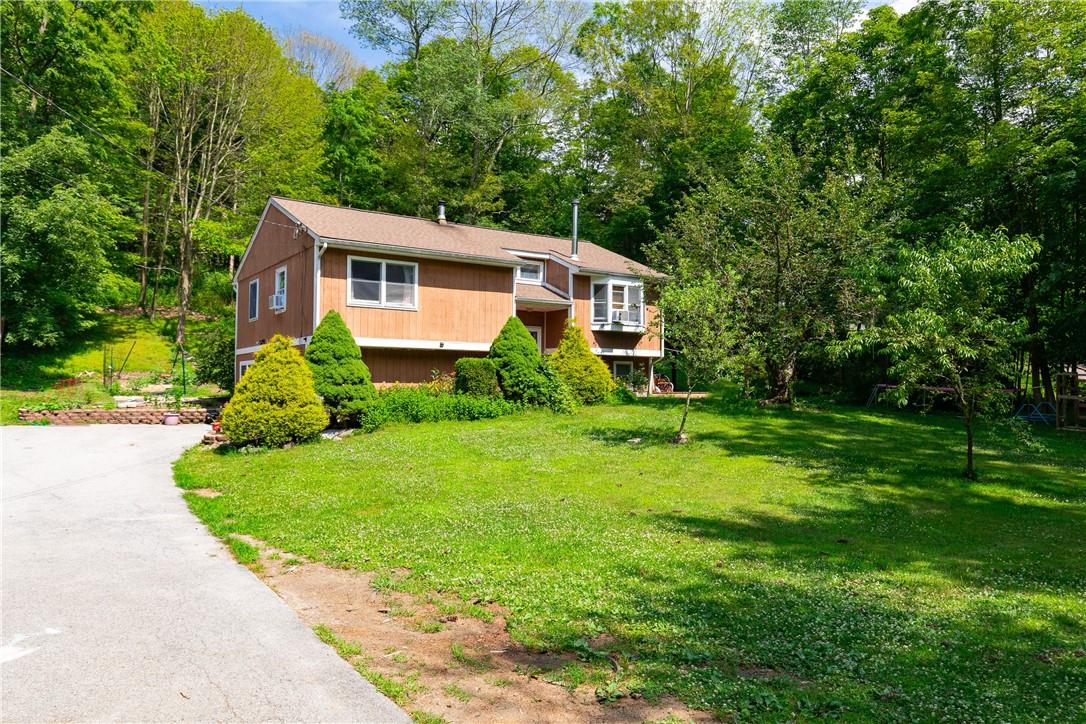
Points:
x=449 y=223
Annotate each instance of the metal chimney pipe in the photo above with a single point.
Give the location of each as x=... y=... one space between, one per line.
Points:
x=441 y=212
x=576 y=206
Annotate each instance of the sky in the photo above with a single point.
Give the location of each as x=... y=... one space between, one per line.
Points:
x=317 y=16
x=322 y=17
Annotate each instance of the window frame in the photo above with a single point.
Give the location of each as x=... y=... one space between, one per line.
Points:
x=616 y=363
x=382 y=296
x=244 y=366
x=611 y=285
x=254 y=299
x=530 y=262
x=276 y=289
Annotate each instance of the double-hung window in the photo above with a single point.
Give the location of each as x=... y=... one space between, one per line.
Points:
x=254 y=299
x=381 y=283
x=616 y=302
x=530 y=272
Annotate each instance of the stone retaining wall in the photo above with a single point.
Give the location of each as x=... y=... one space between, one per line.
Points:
x=131 y=416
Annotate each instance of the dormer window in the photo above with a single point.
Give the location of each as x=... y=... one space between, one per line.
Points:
x=530 y=272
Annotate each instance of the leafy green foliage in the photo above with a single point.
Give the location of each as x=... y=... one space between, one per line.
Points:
x=523 y=374
x=786 y=256
x=274 y=402
x=946 y=323
x=884 y=581
x=59 y=239
x=340 y=376
x=583 y=372
x=477 y=376
x=213 y=354
x=414 y=404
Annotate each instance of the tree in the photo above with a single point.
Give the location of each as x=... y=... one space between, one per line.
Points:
x=584 y=373
x=275 y=403
x=397 y=26
x=340 y=376
x=233 y=117
x=949 y=322
x=788 y=247
x=699 y=311
x=329 y=63
x=667 y=109
x=523 y=374
x=58 y=243
x=213 y=355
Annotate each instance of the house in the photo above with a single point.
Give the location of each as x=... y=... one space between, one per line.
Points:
x=418 y=293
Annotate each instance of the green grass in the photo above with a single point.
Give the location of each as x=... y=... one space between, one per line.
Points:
x=40 y=369
x=28 y=377
x=785 y=564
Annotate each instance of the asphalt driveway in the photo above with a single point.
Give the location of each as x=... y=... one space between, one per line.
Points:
x=119 y=605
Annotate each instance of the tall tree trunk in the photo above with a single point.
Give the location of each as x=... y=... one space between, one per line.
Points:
x=184 y=283
x=970 y=471
x=781 y=376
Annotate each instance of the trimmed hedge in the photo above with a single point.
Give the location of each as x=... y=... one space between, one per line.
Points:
x=414 y=404
x=523 y=375
x=477 y=376
x=340 y=376
x=584 y=373
x=274 y=402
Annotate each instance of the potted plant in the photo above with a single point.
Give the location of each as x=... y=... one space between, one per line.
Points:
x=173 y=415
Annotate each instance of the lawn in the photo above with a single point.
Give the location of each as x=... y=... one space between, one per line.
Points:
x=29 y=378
x=784 y=564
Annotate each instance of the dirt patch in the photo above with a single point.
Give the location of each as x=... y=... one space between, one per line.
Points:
x=205 y=492
x=452 y=658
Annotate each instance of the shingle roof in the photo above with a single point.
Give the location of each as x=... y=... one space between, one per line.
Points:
x=539 y=293
x=373 y=227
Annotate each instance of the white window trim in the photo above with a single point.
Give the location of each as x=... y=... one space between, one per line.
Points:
x=253 y=295
x=244 y=366
x=380 y=303
x=540 y=338
x=275 y=289
x=531 y=262
x=610 y=283
x=617 y=362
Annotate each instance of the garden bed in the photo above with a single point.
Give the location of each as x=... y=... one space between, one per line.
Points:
x=127 y=416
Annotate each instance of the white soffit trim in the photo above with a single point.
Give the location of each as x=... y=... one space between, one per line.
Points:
x=432 y=344
x=625 y=352
x=256 y=347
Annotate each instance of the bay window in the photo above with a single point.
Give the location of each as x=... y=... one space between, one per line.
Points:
x=617 y=302
x=382 y=283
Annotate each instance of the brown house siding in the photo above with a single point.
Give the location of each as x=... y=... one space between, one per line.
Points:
x=457 y=302
x=557 y=275
x=582 y=309
x=276 y=246
x=388 y=366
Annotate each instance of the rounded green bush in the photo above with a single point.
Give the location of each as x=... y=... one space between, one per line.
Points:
x=477 y=376
x=274 y=402
x=584 y=373
x=523 y=375
x=340 y=376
